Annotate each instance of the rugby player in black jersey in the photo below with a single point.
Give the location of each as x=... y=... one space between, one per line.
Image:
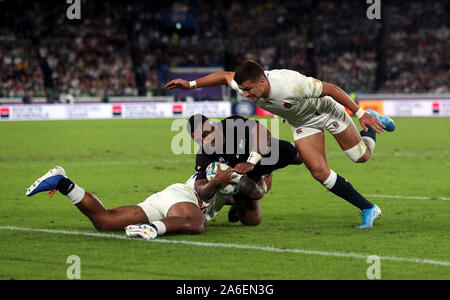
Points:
x=248 y=148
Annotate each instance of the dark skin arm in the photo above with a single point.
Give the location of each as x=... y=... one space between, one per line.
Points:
x=206 y=189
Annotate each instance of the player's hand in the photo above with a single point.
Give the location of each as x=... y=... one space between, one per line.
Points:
x=224 y=176
x=244 y=167
x=178 y=84
x=368 y=120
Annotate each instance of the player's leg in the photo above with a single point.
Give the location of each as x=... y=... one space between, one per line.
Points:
x=185 y=217
x=368 y=138
x=249 y=211
x=182 y=217
x=249 y=191
x=110 y=219
x=357 y=146
x=173 y=210
x=312 y=150
x=298 y=160
x=282 y=154
x=88 y=204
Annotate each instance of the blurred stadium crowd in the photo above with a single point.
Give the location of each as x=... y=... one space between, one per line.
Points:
x=122 y=48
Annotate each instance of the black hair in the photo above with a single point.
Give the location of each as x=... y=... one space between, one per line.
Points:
x=194 y=121
x=248 y=70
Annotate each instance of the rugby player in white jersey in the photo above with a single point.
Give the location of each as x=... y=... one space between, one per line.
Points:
x=176 y=209
x=310 y=106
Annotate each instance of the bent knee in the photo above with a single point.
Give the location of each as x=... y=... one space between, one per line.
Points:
x=251 y=221
x=250 y=189
x=365 y=157
x=359 y=153
x=194 y=226
x=320 y=174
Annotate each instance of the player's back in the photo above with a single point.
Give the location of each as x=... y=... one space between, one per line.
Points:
x=292 y=96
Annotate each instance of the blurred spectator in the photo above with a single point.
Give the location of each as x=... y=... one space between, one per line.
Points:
x=27 y=99
x=91 y=57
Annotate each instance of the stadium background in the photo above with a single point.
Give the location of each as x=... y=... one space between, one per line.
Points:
x=128 y=49
x=113 y=63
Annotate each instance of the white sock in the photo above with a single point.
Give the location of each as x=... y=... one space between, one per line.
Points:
x=160 y=227
x=331 y=180
x=76 y=194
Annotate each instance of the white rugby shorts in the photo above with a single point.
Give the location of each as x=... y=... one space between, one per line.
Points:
x=157 y=205
x=330 y=115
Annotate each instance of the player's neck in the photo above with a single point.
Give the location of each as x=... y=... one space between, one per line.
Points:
x=267 y=90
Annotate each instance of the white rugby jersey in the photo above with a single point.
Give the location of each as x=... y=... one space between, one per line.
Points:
x=293 y=96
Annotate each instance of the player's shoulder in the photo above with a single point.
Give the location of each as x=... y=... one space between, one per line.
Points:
x=285 y=82
x=282 y=74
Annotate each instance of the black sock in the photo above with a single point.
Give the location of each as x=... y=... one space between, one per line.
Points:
x=370 y=133
x=65 y=186
x=345 y=190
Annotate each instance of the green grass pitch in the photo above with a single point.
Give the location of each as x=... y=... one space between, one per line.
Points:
x=306 y=232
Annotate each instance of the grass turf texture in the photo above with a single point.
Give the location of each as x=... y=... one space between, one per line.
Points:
x=124 y=161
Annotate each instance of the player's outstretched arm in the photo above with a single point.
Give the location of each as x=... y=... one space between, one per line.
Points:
x=214 y=79
x=340 y=96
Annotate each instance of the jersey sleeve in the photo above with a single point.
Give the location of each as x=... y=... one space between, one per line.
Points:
x=235 y=87
x=201 y=163
x=304 y=87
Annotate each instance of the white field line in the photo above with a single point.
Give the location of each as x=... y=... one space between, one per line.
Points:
x=236 y=246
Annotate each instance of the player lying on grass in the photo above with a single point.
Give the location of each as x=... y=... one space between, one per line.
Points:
x=310 y=106
x=248 y=148
x=176 y=209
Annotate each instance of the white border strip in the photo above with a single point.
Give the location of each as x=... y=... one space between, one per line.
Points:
x=236 y=246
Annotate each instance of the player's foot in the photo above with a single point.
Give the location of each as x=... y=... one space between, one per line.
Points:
x=48 y=182
x=386 y=121
x=233 y=215
x=141 y=231
x=369 y=215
